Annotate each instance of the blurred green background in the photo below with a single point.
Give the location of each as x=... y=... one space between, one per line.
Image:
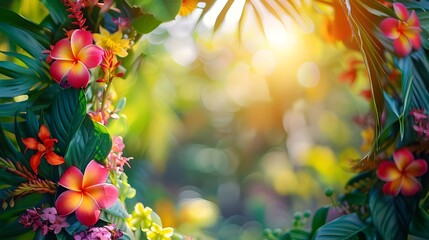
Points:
x=233 y=133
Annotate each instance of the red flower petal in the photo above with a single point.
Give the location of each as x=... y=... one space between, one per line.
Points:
x=410 y=186
x=95 y=174
x=80 y=39
x=413 y=35
x=416 y=168
x=104 y=194
x=389 y=27
x=53 y=158
x=60 y=68
x=72 y=179
x=402 y=158
x=401 y=11
x=68 y=202
x=35 y=161
x=388 y=172
x=413 y=20
x=62 y=51
x=30 y=143
x=392 y=188
x=78 y=76
x=88 y=212
x=44 y=133
x=91 y=56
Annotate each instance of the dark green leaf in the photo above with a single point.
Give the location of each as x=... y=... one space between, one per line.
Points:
x=23 y=39
x=67 y=114
x=342 y=228
x=163 y=10
x=391 y=215
x=420 y=224
x=319 y=218
x=10 y=88
x=57 y=10
x=298 y=234
x=145 y=23
x=91 y=141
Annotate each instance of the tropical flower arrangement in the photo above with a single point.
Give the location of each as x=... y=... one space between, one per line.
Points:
x=62 y=170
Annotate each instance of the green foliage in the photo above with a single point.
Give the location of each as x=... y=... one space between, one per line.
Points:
x=162 y=10
x=146 y=23
x=319 y=218
x=391 y=216
x=91 y=141
x=345 y=227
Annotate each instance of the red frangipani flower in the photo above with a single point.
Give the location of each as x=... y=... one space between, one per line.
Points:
x=401 y=174
x=44 y=148
x=73 y=59
x=87 y=193
x=405 y=31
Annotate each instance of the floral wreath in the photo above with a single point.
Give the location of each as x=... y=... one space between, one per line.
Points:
x=62 y=172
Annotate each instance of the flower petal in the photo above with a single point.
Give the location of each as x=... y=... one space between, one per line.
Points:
x=80 y=39
x=90 y=56
x=62 y=50
x=78 y=76
x=413 y=35
x=53 y=158
x=387 y=171
x=401 y=11
x=104 y=194
x=95 y=174
x=68 y=202
x=402 y=158
x=392 y=188
x=44 y=133
x=389 y=27
x=410 y=186
x=35 y=161
x=88 y=212
x=413 y=20
x=60 y=68
x=417 y=168
x=30 y=143
x=72 y=179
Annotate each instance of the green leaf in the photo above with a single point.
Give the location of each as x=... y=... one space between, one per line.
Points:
x=10 y=88
x=66 y=116
x=75 y=225
x=298 y=234
x=319 y=218
x=145 y=23
x=391 y=215
x=117 y=214
x=37 y=66
x=163 y=10
x=57 y=10
x=23 y=39
x=91 y=141
x=13 y=70
x=344 y=227
x=420 y=225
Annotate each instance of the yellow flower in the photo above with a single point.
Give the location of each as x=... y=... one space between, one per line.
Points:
x=141 y=217
x=113 y=42
x=188 y=6
x=156 y=232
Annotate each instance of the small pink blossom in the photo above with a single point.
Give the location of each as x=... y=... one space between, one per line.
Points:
x=49 y=214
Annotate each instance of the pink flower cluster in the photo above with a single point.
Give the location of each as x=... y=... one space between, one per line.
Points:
x=115 y=159
x=100 y=233
x=46 y=220
x=421 y=123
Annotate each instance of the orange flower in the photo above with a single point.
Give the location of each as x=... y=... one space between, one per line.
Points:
x=404 y=32
x=187 y=7
x=44 y=148
x=87 y=193
x=401 y=174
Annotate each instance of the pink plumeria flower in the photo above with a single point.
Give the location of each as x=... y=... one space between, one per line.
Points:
x=401 y=174
x=405 y=31
x=73 y=59
x=87 y=193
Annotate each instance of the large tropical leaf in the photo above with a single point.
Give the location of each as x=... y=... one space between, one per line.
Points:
x=391 y=215
x=345 y=227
